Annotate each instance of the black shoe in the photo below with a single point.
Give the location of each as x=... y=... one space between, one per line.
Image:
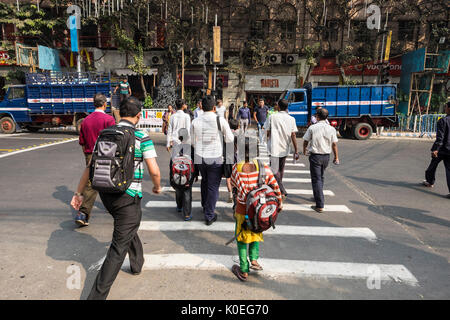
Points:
x=210 y=222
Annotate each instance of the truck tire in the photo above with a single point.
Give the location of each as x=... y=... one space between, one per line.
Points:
x=363 y=131
x=78 y=126
x=7 y=125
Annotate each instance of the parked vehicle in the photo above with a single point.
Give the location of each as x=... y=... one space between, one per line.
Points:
x=356 y=111
x=52 y=100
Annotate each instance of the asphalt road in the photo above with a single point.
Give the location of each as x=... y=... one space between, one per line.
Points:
x=405 y=227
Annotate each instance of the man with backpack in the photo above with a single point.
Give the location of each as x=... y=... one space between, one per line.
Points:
x=207 y=138
x=116 y=171
x=89 y=131
x=258 y=204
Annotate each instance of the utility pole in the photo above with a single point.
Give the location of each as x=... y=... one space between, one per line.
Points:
x=182 y=72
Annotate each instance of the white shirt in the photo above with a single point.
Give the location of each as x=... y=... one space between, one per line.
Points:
x=320 y=136
x=281 y=126
x=221 y=111
x=206 y=138
x=178 y=121
x=198 y=112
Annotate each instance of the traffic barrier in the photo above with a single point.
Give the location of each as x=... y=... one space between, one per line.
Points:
x=414 y=125
x=151 y=120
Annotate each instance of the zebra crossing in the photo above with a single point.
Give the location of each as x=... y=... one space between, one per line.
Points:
x=273 y=268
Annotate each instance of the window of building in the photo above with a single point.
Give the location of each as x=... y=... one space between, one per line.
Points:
x=88 y=37
x=332 y=31
x=287 y=29
x=406 y=30
x=287 y=23
x=259 y=29
x=360 y=31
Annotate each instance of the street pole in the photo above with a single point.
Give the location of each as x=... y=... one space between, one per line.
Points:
x=215 y=67
x=182 y=72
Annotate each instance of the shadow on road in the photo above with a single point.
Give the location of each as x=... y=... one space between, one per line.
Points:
x=66 y=244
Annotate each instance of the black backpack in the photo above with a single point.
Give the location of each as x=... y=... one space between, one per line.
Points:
x=112 y=165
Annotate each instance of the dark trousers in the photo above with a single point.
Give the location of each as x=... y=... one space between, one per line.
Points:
x=430 y=173
x=127 y=214
x=184 y=200
x=211 y=178
x=89 y=194
x=446 y=159
x=317 y=165
x=277 y=165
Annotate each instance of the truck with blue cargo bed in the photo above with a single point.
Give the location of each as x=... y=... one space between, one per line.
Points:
x=52 y=100
x=356 y=111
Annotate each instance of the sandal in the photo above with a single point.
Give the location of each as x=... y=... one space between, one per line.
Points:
x=188 y=218
x=256 y=266
x=237 y=272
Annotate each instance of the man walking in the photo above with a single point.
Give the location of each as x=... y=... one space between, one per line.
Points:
x=244 y=116
x=260 y=116
x=198 y=111
x=89 y=132
x=281 y=133
x=440 y=150
x=124 y=89
x=320 y=139
x=176 y=122
x=207 y=141
x=125 y=207
x=221 y=110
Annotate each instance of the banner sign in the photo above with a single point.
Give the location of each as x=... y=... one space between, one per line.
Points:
x=48 y=59
x=151 y=117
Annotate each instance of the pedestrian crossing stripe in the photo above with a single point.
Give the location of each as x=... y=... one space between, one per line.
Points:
x=297 y=171
x=289 y=191
x=167 y=226
x=226 y=205
x=275 y=268
x=297 y=180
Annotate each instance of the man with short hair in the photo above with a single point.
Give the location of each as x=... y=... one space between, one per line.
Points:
x=440 y=150
x=124 y=89
x=281 y=134
x=244 y=116
x=207 y=138
x=221 y=110
x=89 y=132
x=176 y=122
x=260 y=116
x=198 y=111
x=125 y=207
x=320 y=139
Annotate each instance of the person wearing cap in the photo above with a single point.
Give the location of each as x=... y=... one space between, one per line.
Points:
x=207 y=139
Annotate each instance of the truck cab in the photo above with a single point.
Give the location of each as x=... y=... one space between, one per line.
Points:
x=13 y=108
x=298 y=105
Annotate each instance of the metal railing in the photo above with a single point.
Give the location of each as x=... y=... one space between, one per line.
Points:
x=420 y=124
x=57 y=77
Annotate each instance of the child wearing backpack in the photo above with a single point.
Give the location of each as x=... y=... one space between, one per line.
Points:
x=182 y=175
x=258 y=203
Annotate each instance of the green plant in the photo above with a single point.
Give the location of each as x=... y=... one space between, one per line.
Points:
x=148 y=102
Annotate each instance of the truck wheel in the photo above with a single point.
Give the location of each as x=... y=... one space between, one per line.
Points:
x=7 y=125
x=363 y=131
x=78 y=127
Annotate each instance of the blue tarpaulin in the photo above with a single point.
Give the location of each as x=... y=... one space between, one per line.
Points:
x=48 y=59
x=73 y=34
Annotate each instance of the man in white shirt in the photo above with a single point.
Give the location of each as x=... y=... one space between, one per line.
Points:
x=281 y=129
x=208 y=154
x=178 y=121
x=198 y=111
x=320 y=139
x=221 y=110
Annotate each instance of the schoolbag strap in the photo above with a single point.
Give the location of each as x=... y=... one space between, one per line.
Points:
x=261 y=173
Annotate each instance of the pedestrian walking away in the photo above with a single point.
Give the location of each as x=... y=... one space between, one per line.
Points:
x=260 y=116
x=166 y=118
x=221 y=110
x=234 y=126
x=319 y=140
x=245 y=179
x=89 y=131
x=231 y=112
x=244 y=116
x=198 y=111
x=180 y=120
x=281 y=131
x=124 y=207
x=206 y=139
x=440 y=150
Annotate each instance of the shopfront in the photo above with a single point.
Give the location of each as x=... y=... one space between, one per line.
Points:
x=268 y=87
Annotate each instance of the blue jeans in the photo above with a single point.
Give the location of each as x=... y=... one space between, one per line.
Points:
x=317 y=165
x=261 y=132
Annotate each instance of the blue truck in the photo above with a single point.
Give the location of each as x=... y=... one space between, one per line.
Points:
x=52 y=100
x=356 y=111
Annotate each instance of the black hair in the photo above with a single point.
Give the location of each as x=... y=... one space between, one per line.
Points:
x=322 y=113
x=283 y=104
x=208 y=103
x=234 y=124
x=179 y=103
x=99 y=100
x=130 y=107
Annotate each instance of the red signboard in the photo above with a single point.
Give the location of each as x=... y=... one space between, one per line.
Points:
x=328 y=67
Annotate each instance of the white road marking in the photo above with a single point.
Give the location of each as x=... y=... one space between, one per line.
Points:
x=37 y=147
x=365 y=233
x=12 y=135
x=294 y=164
x=274 y=268
x=223 y=204
x=297 y=171
x=298 y=180
x=289 y=191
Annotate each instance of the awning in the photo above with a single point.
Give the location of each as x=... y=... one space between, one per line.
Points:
x=128 y=72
